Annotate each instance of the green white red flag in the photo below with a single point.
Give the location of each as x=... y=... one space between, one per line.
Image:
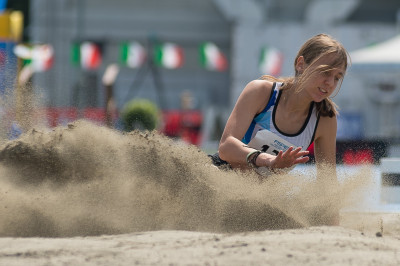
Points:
x=212 y=58
x=87 y=55
x=133 y=54
x=42 y=57
x=39 y=57
x=270 y=62
x=169 y=55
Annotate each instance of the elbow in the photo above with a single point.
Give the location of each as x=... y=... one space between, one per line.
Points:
x=222 y=151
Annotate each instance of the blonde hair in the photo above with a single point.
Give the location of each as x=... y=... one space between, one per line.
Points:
x=313 y=49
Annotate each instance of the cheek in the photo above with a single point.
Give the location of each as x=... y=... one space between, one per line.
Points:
x=318 y=80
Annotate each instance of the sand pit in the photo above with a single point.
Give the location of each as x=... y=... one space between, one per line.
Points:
x=308 y=246
x=85 y=194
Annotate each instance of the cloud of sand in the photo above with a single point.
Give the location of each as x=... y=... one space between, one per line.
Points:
x=85 y=179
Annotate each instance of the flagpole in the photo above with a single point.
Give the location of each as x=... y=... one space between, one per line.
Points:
x=109 y=77
x=150 y=65
x=156 y=75
x=24 y=103
x=23 y=89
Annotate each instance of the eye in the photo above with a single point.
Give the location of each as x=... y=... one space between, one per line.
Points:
x=326 y=73
x=339 y=77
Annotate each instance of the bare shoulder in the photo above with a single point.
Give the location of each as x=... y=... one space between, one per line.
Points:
x=252 y=99
x=257 y=90
x=256 y=94
x=262 y=86
x=328 y=121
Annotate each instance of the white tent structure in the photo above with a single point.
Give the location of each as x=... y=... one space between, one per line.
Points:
x=384 y=56
x=377 y=67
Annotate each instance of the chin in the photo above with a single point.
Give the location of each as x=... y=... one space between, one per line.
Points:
x=318 y=100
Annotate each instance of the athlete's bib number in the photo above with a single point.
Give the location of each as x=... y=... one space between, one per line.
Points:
x=268 y=142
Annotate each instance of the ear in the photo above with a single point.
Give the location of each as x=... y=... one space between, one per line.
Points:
x=300 y=64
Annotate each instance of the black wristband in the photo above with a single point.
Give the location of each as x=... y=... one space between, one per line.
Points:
x=252 y=162
x=254 y=159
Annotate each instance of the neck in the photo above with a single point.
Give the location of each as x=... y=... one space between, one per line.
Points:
x=295 y=102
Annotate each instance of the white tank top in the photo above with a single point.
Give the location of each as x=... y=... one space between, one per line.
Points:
x=264 y=135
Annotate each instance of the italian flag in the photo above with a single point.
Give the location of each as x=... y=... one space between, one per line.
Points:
x=133 y=54
x=87 y=55
x=39 y=57
x=169 y=55
x=42 y=57
x=212 y=58
x=271 y=61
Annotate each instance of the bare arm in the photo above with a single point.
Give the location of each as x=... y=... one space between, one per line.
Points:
x=325 y=147
x=325 y=156
x=251 y=102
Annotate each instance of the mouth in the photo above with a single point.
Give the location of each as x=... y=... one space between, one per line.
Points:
x=322 y=90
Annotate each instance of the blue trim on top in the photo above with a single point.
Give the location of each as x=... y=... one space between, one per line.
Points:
x=247 y=137
x=271 y=101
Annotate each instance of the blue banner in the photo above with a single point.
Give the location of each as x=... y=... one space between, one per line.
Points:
x=8 y=66
x=350 y=126
x=3 y=5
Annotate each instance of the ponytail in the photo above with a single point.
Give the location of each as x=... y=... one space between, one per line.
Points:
x=327 y=108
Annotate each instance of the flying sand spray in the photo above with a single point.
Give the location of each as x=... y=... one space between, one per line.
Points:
x=84 y=179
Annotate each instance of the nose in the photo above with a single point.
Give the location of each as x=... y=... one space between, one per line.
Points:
x=330 y=81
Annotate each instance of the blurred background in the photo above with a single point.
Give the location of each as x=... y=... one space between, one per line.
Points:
x=190 y=59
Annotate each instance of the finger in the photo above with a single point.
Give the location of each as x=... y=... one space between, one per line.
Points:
x=288 y=151
x=296 y=151
x=301 y=160
x=302 y=153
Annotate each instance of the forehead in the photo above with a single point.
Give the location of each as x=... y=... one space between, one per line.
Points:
x=332 y=60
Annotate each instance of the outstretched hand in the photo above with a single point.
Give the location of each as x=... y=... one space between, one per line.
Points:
x=289 y=158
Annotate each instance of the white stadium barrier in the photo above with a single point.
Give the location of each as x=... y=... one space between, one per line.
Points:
x=390 y=180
